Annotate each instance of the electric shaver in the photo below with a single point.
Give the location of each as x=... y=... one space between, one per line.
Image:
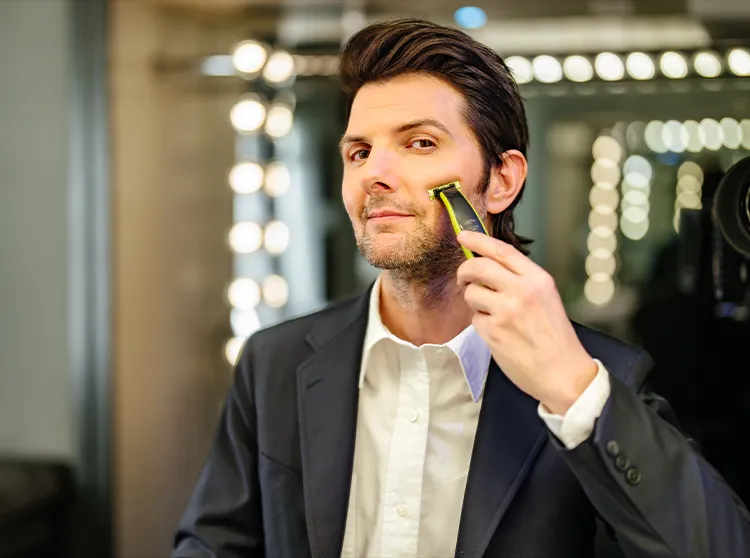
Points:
x=462 y=214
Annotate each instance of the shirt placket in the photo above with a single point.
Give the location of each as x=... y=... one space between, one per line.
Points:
x=403 y=487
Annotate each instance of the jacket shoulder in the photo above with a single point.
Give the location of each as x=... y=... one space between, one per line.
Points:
x=297 y=328
x=289 y=341
x=625 y=360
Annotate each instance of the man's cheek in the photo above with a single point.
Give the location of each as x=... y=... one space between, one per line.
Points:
x=352 y=205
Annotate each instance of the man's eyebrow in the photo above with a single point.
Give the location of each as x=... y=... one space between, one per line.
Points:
x=426 y=122
x=351 y=139
x=431 y=122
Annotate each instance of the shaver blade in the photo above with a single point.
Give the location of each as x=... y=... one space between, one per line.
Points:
x=434 y=192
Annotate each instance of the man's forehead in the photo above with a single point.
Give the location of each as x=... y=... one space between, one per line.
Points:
x=396 y=121
x=416 y=91
x=394 y=117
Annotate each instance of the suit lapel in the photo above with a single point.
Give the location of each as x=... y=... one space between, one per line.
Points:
x=327 y=403
x=509 y=436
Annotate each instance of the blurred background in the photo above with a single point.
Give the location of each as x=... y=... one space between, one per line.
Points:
x=169 y=183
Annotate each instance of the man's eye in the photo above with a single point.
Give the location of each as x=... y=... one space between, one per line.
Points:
x=423 y=143
x=360 y=155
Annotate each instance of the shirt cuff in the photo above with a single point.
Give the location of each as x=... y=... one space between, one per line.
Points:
x=578 y=422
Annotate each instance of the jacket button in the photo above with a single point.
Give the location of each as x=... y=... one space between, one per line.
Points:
x=622 y=463
x=633 y=475
x=613 y=448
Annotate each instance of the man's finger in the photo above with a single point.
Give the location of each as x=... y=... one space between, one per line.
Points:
x=488 y=272
x=497 y=250
x=480 y=299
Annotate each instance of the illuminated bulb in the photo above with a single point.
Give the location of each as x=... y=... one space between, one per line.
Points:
x=634 y=214
x=601 y=242
x=673 y=137
x=470 y=17
x=280 y=120
x=246 y=177
x=739 y=62
x=245 y=237
x=673 y=65
x=707 y=64
x=599 y=290
x=605 y=171
x=248 y=115
x=688 y=183
x=640 y=66
x=689 y=200
x=244 y=293
x=546 y=69
x=609 y=66
x=635 y=198
x=600 y=266
x=300 y=64
x=275 y=291
x=634 y=134
x=278 y=179
x=711 y=134
x=280 y=67
x=276 y=237
x=607 y=147
x=520 y=68
x=315 y=65
x=599 y=196
x=578 y=69
x=745 y=131
x=636 y=181
x=634 y=229
x=598 y=218
x=732 y=133
x=249 y=56
x=653 y=136
x=332 y=65
x=244 y=322
x=692 y=169
x=638 y=165
x=692 y=139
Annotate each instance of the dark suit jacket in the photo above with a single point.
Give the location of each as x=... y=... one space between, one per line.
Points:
x=276 y=482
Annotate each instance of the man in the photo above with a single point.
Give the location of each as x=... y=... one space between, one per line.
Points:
x=453 y=409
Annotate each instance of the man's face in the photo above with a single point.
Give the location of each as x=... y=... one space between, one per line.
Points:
x=404 y=137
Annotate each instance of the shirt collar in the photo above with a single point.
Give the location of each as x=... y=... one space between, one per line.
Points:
x=472 y=351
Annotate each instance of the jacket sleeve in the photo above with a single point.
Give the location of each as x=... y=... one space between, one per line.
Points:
x=649 y=483
x=223 y=518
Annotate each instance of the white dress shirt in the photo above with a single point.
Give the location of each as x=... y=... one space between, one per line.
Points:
x=417 y=418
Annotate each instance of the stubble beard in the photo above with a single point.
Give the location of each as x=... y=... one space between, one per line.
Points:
x=422 y=263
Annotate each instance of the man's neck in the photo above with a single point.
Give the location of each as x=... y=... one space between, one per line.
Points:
x=433 y=313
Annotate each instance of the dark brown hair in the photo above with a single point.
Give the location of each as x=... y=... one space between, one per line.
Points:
x=494 y=107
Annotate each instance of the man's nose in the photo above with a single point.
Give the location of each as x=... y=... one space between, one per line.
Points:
x=380 y=172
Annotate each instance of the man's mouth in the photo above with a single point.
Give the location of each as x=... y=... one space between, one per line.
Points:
x=386 y=215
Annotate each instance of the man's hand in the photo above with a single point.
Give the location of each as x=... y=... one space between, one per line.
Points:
x=520 y=315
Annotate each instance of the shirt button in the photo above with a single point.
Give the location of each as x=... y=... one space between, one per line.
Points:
x=403 y=511
x=413 y=416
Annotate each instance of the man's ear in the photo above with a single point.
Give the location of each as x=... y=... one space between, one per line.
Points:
x=506 y=181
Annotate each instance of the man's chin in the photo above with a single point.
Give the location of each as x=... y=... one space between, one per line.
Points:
x=386 y=259
x=385 y=251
